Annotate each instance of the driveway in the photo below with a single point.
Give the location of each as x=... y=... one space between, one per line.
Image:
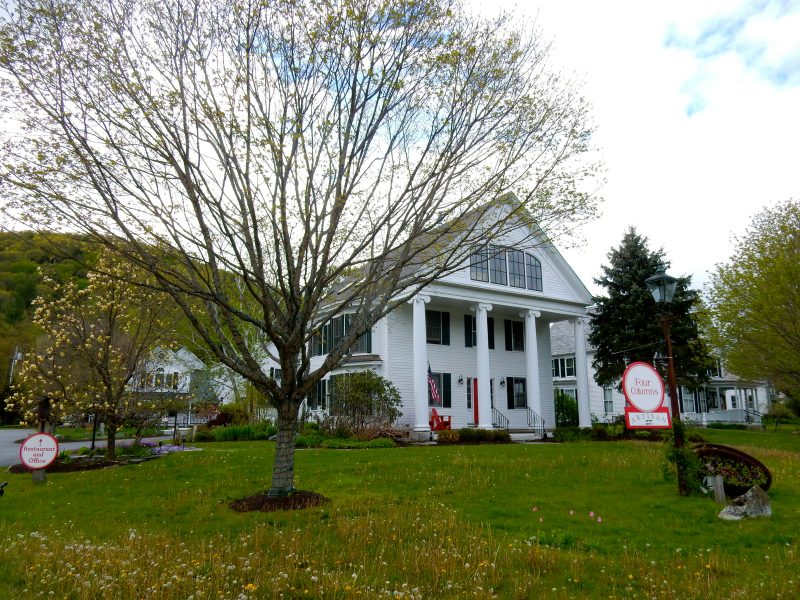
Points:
x=9 y=449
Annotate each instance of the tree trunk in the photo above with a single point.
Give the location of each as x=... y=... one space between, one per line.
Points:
x=111 y=441
x=283 y=473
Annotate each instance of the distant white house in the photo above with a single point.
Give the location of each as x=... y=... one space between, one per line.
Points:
x=725 y=398
x=485 y=332
x=181 y=375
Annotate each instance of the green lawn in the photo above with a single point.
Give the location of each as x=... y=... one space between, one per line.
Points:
x=432 y=522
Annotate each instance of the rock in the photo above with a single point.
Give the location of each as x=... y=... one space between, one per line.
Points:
x=753 y=503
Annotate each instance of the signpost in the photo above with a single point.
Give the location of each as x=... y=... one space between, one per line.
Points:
x=644 y=391
x=38 y=452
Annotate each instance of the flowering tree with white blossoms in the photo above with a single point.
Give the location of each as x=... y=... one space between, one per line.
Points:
x=93 y=347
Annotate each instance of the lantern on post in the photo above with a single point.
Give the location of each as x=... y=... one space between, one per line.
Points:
x=663 y=286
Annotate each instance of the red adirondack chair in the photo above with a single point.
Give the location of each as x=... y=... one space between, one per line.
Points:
x=438 y=422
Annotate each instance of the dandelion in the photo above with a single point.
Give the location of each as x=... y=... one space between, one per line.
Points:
x=571 y=513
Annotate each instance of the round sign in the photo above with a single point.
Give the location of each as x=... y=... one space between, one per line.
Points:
x=643 y=387
x=38 y=451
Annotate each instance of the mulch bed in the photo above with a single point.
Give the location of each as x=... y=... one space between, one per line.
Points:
x=81 y=464
x=297 y=500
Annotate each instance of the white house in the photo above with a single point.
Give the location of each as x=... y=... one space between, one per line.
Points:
x=605 y=403
x=180 y=374
x=484 y=331
x=725 y=398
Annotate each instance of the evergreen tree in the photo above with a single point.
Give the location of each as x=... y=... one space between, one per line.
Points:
x=626 y=325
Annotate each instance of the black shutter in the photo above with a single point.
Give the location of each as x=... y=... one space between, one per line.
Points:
x=490 y=324
x=510 y=389
x=445 y=328
x=446 y=403
x=508 y=334
x=468 y=331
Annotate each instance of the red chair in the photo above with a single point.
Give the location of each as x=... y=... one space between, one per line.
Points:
x=439 y=422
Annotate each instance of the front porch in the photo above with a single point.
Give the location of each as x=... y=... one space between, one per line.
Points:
x=490 y=364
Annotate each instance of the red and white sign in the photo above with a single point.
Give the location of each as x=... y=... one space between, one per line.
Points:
x=38 y=451
x=644 y=391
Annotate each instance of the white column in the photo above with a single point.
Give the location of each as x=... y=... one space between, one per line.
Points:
x=484 y=372
x=420 y=352
x=534 y=393
x=582 y=374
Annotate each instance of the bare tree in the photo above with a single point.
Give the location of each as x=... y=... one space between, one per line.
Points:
x=274 y=164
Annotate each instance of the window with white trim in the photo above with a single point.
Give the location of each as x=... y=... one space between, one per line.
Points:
x=608 y=400
x=506 y=266
x=563 y=367
x=437 y=327
x=516 y=393
x=331 y=334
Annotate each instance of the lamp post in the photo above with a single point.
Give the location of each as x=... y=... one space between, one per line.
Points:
x=662 y=286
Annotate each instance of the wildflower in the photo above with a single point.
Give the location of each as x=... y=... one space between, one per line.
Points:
x=251 y=587
x=599 y=519
x=535 y=508
x=591 y=514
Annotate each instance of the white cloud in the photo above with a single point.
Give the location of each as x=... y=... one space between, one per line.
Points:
x=695 y=142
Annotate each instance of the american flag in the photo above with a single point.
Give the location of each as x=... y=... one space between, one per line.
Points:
x=432 y=385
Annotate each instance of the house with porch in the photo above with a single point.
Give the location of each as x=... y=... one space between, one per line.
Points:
x=724 y=399
x=484 y=333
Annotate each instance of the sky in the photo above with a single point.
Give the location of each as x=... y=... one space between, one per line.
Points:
x=697 y=108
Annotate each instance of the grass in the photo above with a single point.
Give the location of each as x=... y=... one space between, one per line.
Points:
x=507 y=521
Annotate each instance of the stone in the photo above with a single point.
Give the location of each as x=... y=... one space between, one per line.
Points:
x=753 y=503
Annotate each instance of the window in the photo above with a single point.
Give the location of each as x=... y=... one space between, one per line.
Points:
x=331 y=334
x=505 y=266
x=275 y=374
x=515 y=389
x=534 y=271
x=716 y=370
x=497 y=265
x=608 y=400
x=471 y=331
x=442 y=381
x=571 y=392
x=516 y=268
x=437 y=327
x=469 y=393
x=563 y=367
x=159 y=378
x=319 y=396
x=479 y=264
x=515 y=336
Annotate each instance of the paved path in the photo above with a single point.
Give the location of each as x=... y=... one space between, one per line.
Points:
x=9 y=449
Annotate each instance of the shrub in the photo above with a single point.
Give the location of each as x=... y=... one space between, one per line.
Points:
x=471 y=435
x=309 y=441
x=566 y=410
x=233 y=433
x=572 y=433
x=230 y=414
x=448 y=436
x=364 y=399
x=204 y=435
x=501 y=436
